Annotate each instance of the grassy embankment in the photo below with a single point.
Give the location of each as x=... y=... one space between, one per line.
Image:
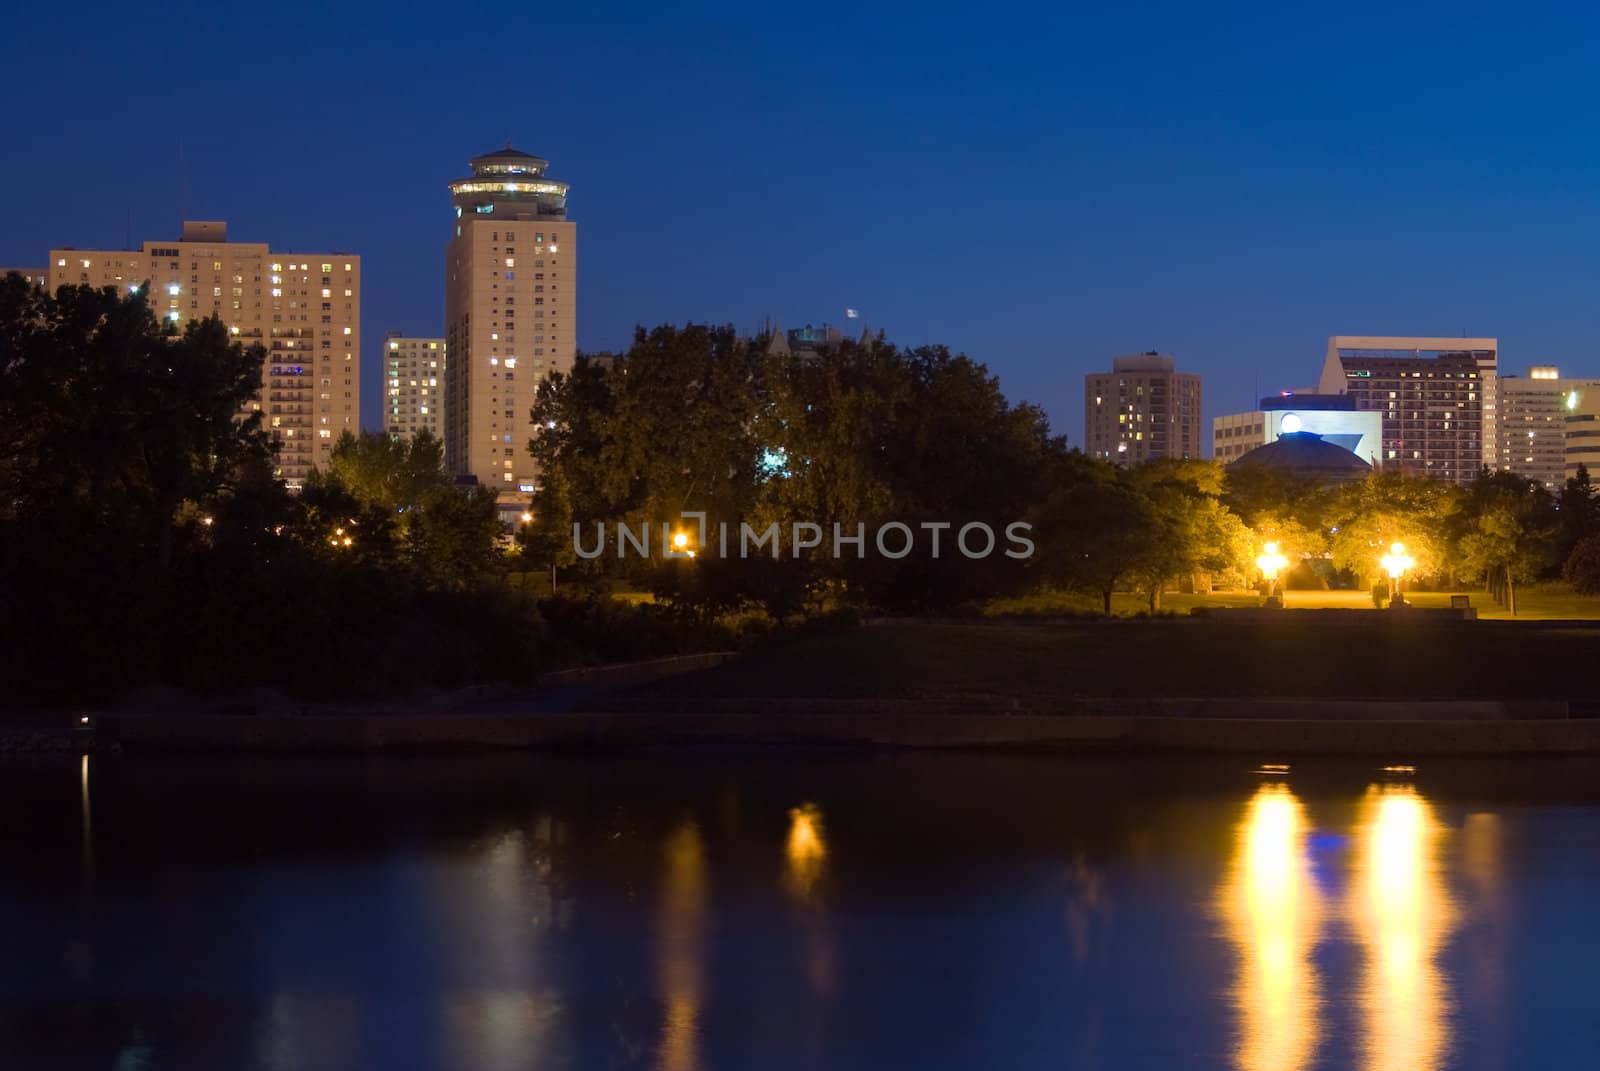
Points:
x=1551 y=602
x=1037 y=665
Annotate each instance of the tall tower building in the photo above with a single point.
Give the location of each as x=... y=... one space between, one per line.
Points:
x=1437 y=397
x=1143 y=409
x=413 y=372
x=510 y=312
x=302 y=309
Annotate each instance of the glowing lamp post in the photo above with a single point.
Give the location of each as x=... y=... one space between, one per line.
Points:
x=1395 y=563
x=1271 y=563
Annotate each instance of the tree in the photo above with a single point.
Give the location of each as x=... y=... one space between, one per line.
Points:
x=391 y=499
x=117 y=437
x=546 y=541
x=1509 y=523
x=1582 y=568
x=1578 y=507
x=1093 y=534
x=698 y=419
x=451 y=537
x=1193 y=531
x=1292 y=511
x=387 y=471
x=1386 y=508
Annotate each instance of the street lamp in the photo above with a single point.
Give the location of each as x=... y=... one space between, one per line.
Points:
x=1271 y=563
x=1395 y=563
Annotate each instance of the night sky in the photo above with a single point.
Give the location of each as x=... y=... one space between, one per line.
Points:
x=1042 y=189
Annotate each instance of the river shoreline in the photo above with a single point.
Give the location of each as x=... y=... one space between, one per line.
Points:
x=1251 y=726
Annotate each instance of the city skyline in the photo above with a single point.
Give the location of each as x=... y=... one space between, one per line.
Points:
x=1180 y=210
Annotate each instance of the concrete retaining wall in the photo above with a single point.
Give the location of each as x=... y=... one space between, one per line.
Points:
x=1397 y=739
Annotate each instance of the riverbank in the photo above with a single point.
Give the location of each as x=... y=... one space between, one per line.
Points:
x=1400 y=687
x=1273 y=728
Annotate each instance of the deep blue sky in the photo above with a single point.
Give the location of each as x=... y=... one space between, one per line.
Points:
x=1042 y=188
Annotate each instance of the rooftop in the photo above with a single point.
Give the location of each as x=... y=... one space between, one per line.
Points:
x=1303 y=453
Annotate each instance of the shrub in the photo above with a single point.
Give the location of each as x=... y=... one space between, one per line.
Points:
x=1582 y=568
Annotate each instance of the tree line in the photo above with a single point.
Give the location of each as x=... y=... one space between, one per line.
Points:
x=145 y=540
x=702 y=419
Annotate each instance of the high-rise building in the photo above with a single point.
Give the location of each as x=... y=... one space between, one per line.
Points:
x=36 y=276
x=1436 y=395
x=414 y=373
x=1532 y=423
x=1332 y=417
x=510 y=309
x=1581 y=437
x=302 y=309
x=1141 y=410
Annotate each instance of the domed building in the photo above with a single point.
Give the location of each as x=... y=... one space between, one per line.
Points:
x=1309 y=456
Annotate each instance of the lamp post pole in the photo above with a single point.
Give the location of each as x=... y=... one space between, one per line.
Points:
x=1395 y=563
x=1271 y=563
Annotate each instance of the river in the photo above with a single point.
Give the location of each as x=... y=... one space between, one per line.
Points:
x=757 y=909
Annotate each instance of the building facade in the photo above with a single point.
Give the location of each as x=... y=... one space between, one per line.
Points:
x=1143 y=409
x=1234 y=435
x=1331 y=417
x=414 y=374
x=1532 y=423
x=511 y=296
x=302 y=309
x=35 y=276
x=1581 y=439
x=1436 y=397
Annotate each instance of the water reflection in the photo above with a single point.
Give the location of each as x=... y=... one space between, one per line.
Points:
x=682 y=948
x=1273 y=912
x=1402 y=914
x=87 y=812
x=805 y=852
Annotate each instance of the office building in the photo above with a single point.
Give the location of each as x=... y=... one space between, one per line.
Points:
x=1581 y=440
x=1333 y=418
x=1141 y=410
x=1532 y=423
x=1436 y=397
x=510 y=315
x=302 y=309
x=414 y=374
x=35 y=276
